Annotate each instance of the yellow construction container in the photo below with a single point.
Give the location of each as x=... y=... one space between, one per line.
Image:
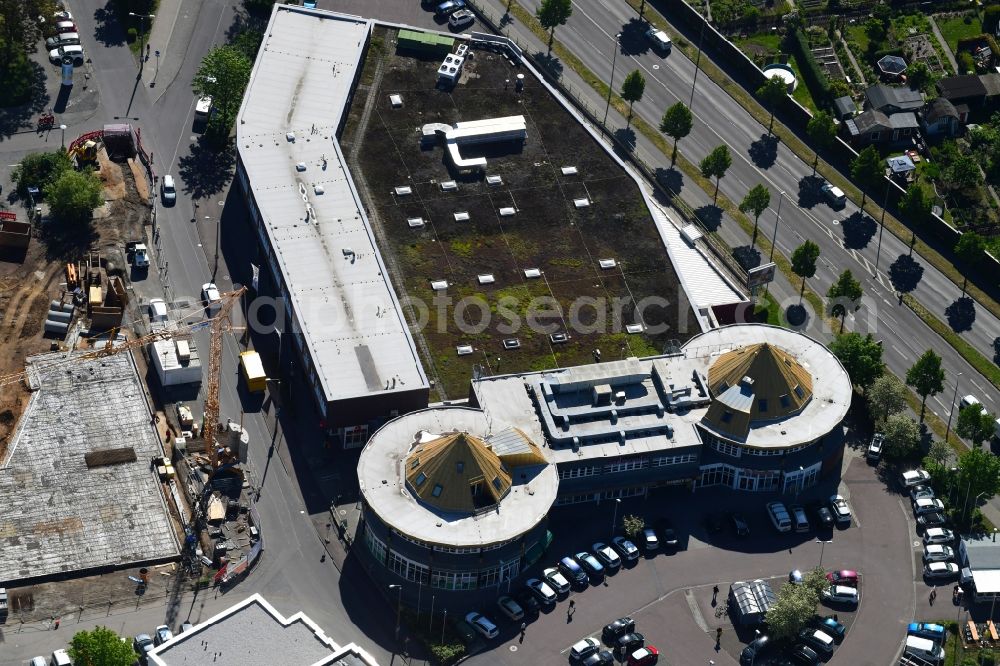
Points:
x=253 y=371
x=95 y=296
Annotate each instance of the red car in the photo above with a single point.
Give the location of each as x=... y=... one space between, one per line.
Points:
x=843 y=577
x=66 y=26
x=644 y=656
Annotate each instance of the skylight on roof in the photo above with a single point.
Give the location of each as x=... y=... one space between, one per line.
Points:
x=420 y=479
x=437 y=490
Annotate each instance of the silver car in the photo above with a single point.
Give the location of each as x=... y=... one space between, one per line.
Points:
x=938 y=535
x=938 y=553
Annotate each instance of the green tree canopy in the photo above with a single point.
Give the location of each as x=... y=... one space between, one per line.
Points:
x=40 y=170
x=804 y=262
x=75 y=195
x=914 y=204
x=715 y=165
x=970 y=248
x=919 y=76
x=902 y=436
x=926 y=376
x=964 y=172
x=939 y=452
x=861 y=357
x=822 y=130
x=633 y=87
x=794 y=607
x=975 y=424
x=552 y=14
x=844 y=294
x=676 y=123
x=632 y=525
x=866 y=169
x=886 y=396
x=978 y=474
x=223 y=74
x=772 y=92
x=756 y=201
x=101 y=647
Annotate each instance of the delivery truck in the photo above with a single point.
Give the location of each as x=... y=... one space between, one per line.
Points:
x=253 y=371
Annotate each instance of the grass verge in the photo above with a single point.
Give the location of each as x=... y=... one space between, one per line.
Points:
x=790 y=139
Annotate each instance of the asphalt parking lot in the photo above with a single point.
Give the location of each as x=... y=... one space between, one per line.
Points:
x=669 y=595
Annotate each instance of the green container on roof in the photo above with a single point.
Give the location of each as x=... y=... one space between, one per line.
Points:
x=424 y=42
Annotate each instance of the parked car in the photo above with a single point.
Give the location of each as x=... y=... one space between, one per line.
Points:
x=542 y=591
x=817 y=639
x=931 y=520
x=510 y=608
x=804 y=655
x=925 y=505
x=573 y=571
x=554 y=577
x=936 y=552
x=644 y=656
x=65 y=26
x=38 y=661
x=938 y=535
x=778 y=514
x=841 y=594
x=740 y=525
x=584 y=648
x=629 y=642
x=649 y=540
x=969 y=401
x=211 y=298
x=157 y=310
x=929 y=630
x=607 y=555
x=162 y=634
x=834 y=195
x=799 y=518
x=659 y=39
x=143 y=645
x=528 y=600
x=921 y=492
x=940 y=570
x=843 y=577
x=482 y=624
x=460 y=19
x=62 y=39
x=831 y=626
x=599 y=658
x=823 y=514
x=449 y=7
x=615 y=630
x=667 y=532
x=914 y=477
x=168 y=191
x=625 y=548
x=186 y=626
x=74 y=51
x=874 y=452
x=713 y=523
x=841 y=510
x=795 y=577
x=754 y=649
x=590 y=563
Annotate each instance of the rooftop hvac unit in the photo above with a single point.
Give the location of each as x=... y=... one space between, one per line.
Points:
x=507 y=211
x=183 y=351
x=532 y=273
x=494 y=180
x=634 y=328
x=568 y=171
x=511 y=343
x=403 y=190
x=396 y=101
x=462 y=216
x=439 y=285
x=464 y=350
x=415 y=222
x=486 y=278
x=607 y=263
x=581 y=203
x=449 y=186
x=301 y=166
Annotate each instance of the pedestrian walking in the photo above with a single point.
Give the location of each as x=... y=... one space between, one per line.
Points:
x=933 y=594
x=524 y=627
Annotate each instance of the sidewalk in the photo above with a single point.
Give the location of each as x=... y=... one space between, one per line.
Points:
x=169 y=38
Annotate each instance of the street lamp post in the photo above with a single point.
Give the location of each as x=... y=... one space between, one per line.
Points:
x=399 y=607
x=822 y=549
x=611 y=83
x=777 y=219
x=881 y=224
x=697 y=64
x=63 y=128
x=142 y=30
x=951 y=412
x=614 y=518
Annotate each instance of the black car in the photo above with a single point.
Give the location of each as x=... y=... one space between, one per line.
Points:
x=831 y=626
x=934 y=519
x=629 y=643
x=602 y=658
x=740 y=524
x=754 y=649
x=805 y=655
x=526 y=598
x=666 y=530
x=714 y=523
x=612 y=632
x=823 y=514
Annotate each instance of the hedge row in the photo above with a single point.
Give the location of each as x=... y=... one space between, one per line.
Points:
x=812 y=74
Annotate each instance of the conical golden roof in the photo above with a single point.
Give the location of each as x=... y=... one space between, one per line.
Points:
x=760 y=382
x=457 y=472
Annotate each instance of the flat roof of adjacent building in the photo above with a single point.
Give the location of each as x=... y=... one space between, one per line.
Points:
x=345 y=310
x=254 y=633
x=382 y=482
x=59 y=516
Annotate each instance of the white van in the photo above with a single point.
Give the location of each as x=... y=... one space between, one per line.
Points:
x=60 y=658
x=778 y=514
x=924 y=648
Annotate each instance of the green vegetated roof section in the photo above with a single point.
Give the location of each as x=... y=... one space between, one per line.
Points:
x=415 y=39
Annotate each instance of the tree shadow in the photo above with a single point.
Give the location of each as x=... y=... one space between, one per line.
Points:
x=905 y=273
x=748 y=256
x=710 y=216
x=809 y=191
x=549 y=62
x=625 y=138
x=797 y=316
x=67 y=240
x=764 y=151
x=15 y=118
x=859 y=229
x=108 y=31
x=207 y=168
x=633 y=38
x=996 y=350
x=671 y=178
x=961 y=314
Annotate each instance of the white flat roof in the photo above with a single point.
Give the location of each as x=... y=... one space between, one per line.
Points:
x=344 y=306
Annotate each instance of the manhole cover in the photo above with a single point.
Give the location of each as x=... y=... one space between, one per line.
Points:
x=194 y=138
x=513 y=648
x=836 y=222
x=656 y=66
x=343 y=512
x=222 y=203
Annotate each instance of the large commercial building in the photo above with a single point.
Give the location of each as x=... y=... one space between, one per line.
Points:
x=455 y=499
x=318 y=252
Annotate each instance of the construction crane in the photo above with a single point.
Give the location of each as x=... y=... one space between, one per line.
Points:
x=220 y=323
